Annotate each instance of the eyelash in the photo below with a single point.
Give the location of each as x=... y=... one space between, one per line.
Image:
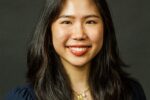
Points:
x=91 y=22
x=66 y=22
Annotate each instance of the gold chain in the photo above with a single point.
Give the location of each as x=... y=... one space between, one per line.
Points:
x=82 y=95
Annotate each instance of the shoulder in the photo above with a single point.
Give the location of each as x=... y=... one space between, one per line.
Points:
x=137 y=90
x=21 y=93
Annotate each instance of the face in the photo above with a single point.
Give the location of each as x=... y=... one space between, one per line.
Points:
x=77 y=33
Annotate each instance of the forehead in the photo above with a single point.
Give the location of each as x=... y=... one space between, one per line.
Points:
x=79 y=7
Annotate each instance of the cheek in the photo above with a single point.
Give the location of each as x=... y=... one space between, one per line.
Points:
x=59 y=36
x=96 y=35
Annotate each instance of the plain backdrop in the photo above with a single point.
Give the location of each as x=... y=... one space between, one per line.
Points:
x=18 y=19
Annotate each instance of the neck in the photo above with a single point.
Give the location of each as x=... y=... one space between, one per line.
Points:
x=78 y=76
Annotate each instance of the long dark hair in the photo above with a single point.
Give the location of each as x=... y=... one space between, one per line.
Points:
x=46 y=74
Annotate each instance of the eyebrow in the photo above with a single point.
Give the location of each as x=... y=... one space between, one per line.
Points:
x=89 y=16
x=70 y=16
x=66 y=16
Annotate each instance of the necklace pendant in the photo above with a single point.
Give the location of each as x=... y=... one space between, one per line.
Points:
x=80 y=97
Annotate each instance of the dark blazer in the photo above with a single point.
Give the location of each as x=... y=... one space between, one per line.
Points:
x=26 y=92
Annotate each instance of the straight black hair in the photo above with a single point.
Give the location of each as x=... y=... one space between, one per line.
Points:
x=107 y=80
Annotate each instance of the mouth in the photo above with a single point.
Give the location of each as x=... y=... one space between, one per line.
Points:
x=78 y=50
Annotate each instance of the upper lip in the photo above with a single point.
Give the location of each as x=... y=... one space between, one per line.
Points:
x=78 y=45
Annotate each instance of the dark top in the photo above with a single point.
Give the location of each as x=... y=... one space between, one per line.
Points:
x=26 y=92
x=21 y=93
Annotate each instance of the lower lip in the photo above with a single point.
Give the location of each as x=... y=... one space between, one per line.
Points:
x=78 y=51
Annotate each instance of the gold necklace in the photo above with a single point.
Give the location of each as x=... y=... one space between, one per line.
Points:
x=82 y=95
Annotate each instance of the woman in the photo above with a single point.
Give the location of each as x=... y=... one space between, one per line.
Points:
x=74 y=56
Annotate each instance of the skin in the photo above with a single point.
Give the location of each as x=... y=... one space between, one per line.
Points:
x=79 y=24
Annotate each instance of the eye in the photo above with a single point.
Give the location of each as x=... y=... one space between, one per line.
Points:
x=66 y=22
x=91 y=22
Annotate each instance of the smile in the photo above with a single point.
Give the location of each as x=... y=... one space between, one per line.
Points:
x=79 y=50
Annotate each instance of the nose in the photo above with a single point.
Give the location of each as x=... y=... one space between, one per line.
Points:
x=79 y=32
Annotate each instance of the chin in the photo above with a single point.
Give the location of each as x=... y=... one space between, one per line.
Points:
x=80 y=64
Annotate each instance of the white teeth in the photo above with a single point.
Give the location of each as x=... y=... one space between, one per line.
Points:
x=78 y=49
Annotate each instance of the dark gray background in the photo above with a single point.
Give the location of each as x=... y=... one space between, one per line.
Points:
x=19 y=17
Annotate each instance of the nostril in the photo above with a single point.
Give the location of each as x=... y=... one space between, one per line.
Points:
x=79 y=39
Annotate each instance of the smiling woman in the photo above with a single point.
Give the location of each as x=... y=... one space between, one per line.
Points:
x=74 y=56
